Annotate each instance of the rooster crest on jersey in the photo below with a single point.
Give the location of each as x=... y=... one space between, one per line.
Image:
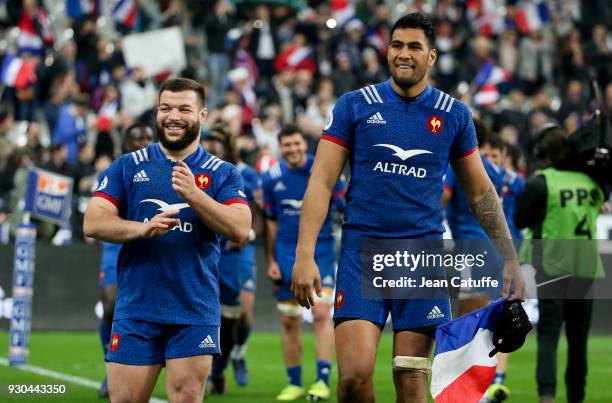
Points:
x=203 y=181
x=434 y=124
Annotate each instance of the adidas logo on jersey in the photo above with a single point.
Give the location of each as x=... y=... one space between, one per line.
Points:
x=207 y=343
x=435 y=313
x=279 y=187
x=377 y=119
x=141 y=176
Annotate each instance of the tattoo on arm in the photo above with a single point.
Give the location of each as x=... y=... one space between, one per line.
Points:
x=490 y=214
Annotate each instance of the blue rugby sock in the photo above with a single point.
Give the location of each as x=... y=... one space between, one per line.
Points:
x=295 y=375
x=323 y=370
x=499 y=378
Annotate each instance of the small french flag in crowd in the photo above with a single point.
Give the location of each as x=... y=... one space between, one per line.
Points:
x=125 y=12
x=29 y=39
x=342 y=11
x=532 y=16
x=17 y=72
x=490 y=73
x=462 y=369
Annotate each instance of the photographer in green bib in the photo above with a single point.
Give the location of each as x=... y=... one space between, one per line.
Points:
x=560 y=207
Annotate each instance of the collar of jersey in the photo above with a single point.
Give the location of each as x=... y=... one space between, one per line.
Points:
x=192 y=158
x=395 y=96
x=303 y=170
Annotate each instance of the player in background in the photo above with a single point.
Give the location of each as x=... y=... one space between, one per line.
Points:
x=398 y=137
x=168 y=204
x=514 y=183
x=136 y=137
x=463 y=224
x=508 y=156
x=237 y=269
x=284 y=187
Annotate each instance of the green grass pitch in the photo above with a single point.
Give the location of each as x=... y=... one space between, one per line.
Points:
x=79 y=354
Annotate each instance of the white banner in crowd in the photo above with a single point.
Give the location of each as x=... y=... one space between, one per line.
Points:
x=155 y=51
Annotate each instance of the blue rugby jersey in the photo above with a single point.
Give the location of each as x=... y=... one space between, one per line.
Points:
x=171 y=278
x=513 y=187
x=463 y=224
x=252 y=184
x=399 y=151
x=284 y=190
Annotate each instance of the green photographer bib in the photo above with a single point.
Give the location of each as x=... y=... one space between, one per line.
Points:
x=574 y=201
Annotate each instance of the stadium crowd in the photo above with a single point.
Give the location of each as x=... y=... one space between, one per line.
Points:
x=517 y=64
x=69 y=97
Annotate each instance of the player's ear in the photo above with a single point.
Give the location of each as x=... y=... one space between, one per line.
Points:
x=433 y=55
x=202 y=115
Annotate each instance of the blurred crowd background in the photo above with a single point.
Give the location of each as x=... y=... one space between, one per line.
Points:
x=68 y=94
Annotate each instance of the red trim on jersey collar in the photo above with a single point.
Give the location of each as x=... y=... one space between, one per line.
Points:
x=335 y=140
x=447 y=188
x=107 y=197
x=472 y=151
x=236 y=200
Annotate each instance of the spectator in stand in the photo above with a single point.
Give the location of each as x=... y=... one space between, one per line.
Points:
x=217 y=26
x=72 y=125
x=344 y=77
x=138 y=96
x=262 y=44
x=574 y=101
x=373 y=72
x=599 y=53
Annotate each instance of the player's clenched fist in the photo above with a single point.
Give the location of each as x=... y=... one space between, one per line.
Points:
x=160 y=224
x=305 y=274
x=183 y=181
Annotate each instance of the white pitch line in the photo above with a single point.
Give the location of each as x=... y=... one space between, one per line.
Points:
x=63 y=377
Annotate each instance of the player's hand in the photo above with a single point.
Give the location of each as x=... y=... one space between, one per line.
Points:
x=513 y=276
x=183 y=181
x=160 y=224
x=274 y=272
x=305 y=274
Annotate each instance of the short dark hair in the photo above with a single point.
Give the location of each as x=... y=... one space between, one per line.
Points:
x=416 y=20
x=138 y=125
x=496 y=142
x=483 y=133
x=82 y=99
x=514 y=153
x=289 y=130
x=184 y=84
x=552 y=144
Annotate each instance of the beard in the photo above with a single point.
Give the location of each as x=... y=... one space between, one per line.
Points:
x=191 y=133
x=407 y=82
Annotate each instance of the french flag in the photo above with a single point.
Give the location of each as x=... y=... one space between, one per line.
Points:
x=490 y=73
x=296 y=58
x=29 y=39
x=462 y=369
x=342 y=11
x=485 y=16
x=76 y=9
x=125 y=11
x=532 y=16
x=17 y=72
